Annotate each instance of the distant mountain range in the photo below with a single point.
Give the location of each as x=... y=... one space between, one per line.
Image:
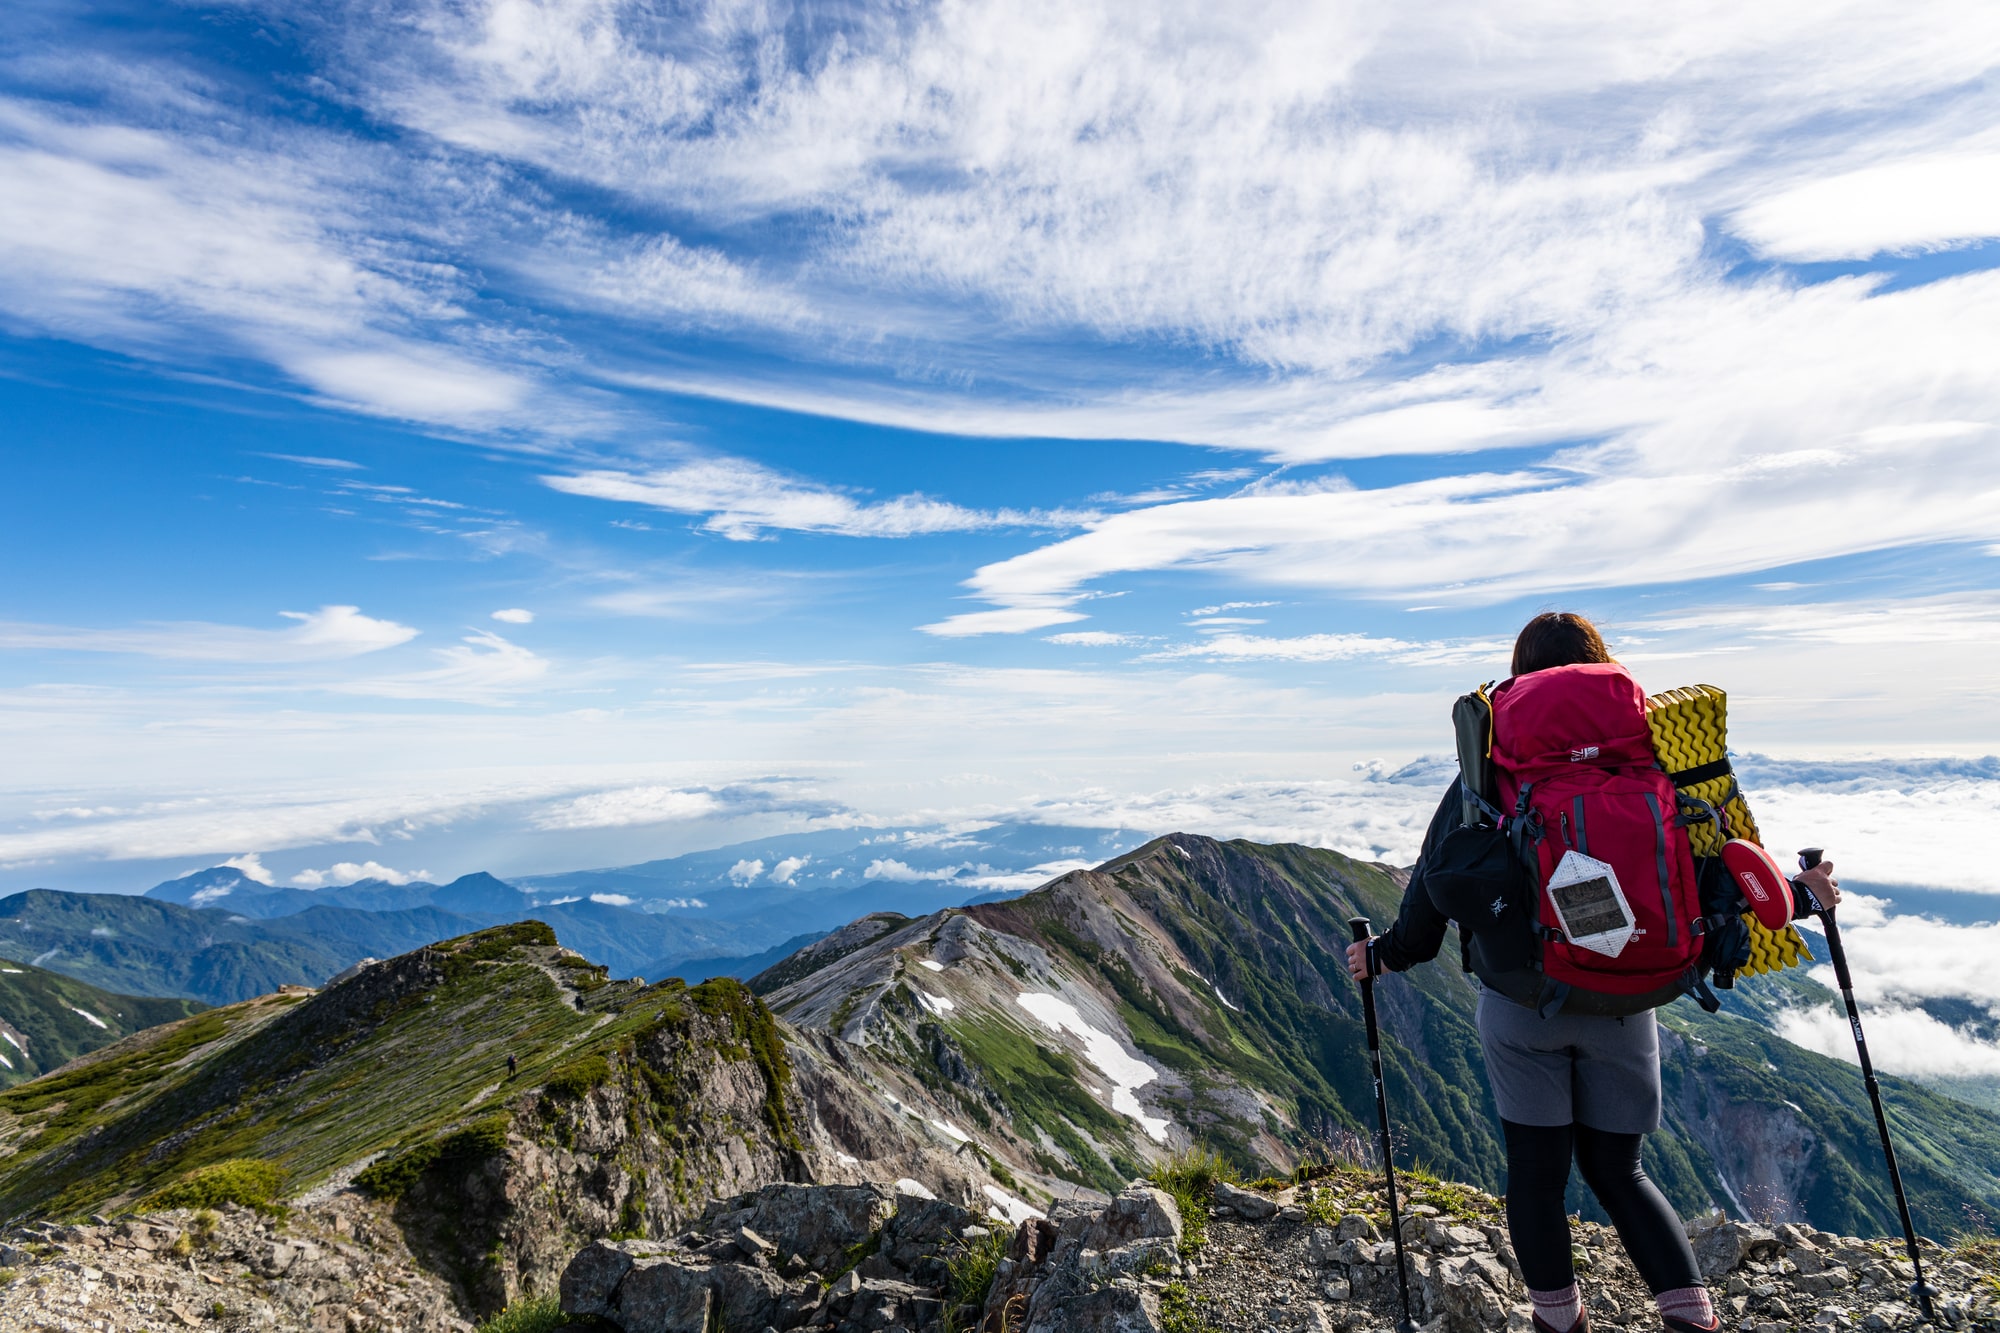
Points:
x=220 y=935
x=47 y=1020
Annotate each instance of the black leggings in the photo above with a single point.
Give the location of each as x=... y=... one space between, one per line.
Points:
x=1538 y=1158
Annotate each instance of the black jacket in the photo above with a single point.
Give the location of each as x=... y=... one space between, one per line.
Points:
x=1420 y=928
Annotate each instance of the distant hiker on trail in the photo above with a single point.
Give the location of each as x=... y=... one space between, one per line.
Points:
x=513 y=1064
x=1581 y=909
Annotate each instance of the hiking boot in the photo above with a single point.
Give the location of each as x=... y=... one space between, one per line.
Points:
x=1582 y=1325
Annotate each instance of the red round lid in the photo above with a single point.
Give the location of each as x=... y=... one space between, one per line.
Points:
x=1761 y=880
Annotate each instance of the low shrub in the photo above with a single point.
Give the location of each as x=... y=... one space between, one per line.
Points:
x=530 y=1314
x=393 y=1177
x=970 y=1266
x=245 y=1181
x=1191 y=1177
x=577 y=1078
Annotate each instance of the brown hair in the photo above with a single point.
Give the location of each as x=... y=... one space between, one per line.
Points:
x=1557 y=638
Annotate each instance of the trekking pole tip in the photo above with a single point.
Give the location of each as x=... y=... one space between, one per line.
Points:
x=1360 y=928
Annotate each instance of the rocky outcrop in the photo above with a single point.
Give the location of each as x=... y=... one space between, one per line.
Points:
x=1086 y=1268
x=1309 y=1257
x=338 y=1267
x=838 y=1258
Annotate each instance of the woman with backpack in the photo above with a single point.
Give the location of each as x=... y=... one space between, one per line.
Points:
x=1574 y=1063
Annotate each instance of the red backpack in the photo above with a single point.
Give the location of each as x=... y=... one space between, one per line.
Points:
x=1595 y=817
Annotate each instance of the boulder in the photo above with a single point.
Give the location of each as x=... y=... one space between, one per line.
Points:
x=663 y=1296
x=1246 y=1204
x=1722 y=1247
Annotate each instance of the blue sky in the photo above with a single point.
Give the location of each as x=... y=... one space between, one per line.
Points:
x=523 y=435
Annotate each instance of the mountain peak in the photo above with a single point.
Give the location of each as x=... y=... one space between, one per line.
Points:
x=205 y=887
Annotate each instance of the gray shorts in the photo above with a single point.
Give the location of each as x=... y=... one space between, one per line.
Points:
x=1571 y=1069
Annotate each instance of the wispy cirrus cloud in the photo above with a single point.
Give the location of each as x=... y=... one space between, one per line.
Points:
x=328 y=634
x=742 y=500
x=482 y=668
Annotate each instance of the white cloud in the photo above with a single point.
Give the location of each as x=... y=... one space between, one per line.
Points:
x=629 y=807
x=514 y=615
x=783 y=872
x=613 y=899
x=1236 y=647
x=483 y=668
x=745 y=871
x=1220 y=607
x=1093 y=638
x=1927 y=202
x=682 y=902
x=328 y=634
x=179 y=245
x=348 y=872
x=1032 y=614
x=741 y=500
x=311 y=460
x=252 y=867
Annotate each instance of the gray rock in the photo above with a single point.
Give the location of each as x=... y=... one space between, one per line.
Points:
x=662 y=1295
x=1723 y=1247
x=1246 y=1204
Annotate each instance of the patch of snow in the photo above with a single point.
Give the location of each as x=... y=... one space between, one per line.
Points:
x=5 y=1061
x=945 y=1126
x=914 y=1188
x=1177 y=849
x=89 y=1017
x=937 y=1004
x=1224 y=998
x=1125 y=1071
x=103 y=932
x=13 y=1041
x=13 y=971
x=44 y=957
x=1006 y=1208
x=847 y=1159
x=932 y=963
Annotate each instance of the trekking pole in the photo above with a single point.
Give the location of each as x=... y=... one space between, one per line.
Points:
x=1808 y=858
x=1359 y=925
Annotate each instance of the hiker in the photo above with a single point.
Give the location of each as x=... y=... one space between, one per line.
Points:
x=1575 y=1073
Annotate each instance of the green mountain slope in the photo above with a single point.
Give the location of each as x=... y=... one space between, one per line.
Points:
x=47 y=1020
x=1211 y=975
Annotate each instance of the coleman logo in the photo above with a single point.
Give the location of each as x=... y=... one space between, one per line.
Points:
x=1752 y=887
x=1577 y=756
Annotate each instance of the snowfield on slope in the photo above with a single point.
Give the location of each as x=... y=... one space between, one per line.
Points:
x=1124 y=1071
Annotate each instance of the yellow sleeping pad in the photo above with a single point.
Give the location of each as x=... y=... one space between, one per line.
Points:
x=1691 y=738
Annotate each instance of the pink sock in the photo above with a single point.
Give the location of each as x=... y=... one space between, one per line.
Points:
x=1559 y=1309
x=1689 y=1303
